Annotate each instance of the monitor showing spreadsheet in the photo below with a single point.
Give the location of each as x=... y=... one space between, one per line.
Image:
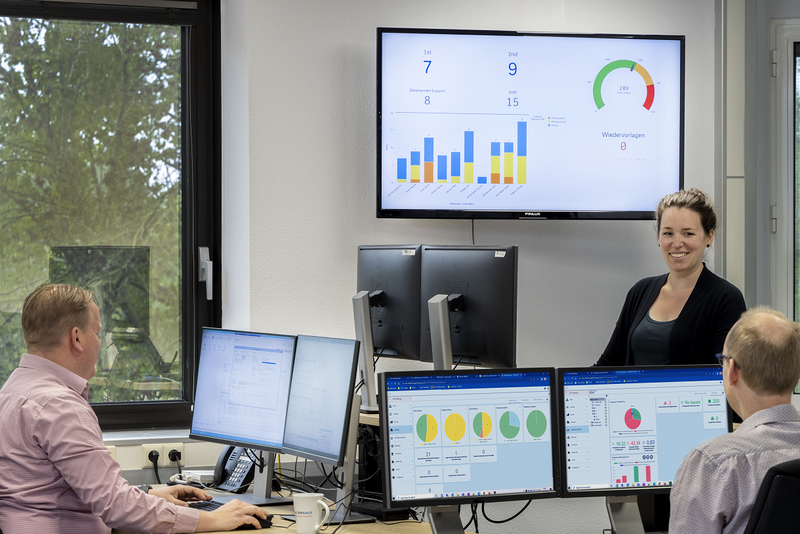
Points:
x=243 y=388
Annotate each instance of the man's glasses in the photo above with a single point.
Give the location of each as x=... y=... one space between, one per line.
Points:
x=721 y=359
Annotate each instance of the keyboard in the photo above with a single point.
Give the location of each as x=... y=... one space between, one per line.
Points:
x=206 y=506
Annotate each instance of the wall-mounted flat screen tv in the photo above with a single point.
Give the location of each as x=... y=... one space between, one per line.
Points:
x=491 y=124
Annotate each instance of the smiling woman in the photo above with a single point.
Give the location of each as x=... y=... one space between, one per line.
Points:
x=681 y=317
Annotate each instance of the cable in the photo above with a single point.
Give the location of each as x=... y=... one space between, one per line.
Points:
x=175 y=456
x=153 y=457
x=483 y=512
x=473 y=231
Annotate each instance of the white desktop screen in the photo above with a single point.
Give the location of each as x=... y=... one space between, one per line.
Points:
x=243 y=388
x=320 y=400
x=459 y=436
x=630 y=428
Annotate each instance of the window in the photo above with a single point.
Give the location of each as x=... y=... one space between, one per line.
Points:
x=785 y=204
x=796 y=174
x=107 y=116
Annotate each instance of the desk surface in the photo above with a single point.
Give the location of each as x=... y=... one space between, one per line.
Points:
x=280 y=525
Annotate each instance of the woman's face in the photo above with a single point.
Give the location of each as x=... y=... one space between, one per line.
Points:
x=683 y=240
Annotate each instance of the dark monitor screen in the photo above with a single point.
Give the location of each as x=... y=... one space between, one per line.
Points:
x=242 y=389
x=627 y=429
x=320 y=398
x=485 y=332
x=395 y=270
x=461 y=436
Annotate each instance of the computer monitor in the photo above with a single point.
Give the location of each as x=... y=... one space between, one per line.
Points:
x=395 y=315
x=483 y=321
x=626 y=429
x=463 y=436
x=243 y=384
x=320 y=398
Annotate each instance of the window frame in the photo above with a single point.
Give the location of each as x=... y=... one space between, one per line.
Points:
x=783 y=216
x=201 y=177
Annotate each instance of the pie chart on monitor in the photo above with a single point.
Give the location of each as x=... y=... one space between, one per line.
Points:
x=633 y=418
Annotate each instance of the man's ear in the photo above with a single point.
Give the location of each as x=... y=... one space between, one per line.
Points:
x=75 y=337
x=733 y=373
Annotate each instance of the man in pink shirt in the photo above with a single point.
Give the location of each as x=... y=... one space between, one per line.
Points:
x=55 y=473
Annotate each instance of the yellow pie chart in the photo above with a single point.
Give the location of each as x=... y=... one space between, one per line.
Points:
x=455 y=427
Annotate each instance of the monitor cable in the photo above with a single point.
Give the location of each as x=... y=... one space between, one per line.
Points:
x=473 y=232
x=497 y=522
x=175 y=456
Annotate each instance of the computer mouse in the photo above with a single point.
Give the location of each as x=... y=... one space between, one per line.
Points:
x=265 y=523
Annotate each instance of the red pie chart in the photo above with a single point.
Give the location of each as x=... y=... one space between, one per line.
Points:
x=633 y=419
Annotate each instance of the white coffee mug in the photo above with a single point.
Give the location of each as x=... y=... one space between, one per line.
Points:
x=307 y=511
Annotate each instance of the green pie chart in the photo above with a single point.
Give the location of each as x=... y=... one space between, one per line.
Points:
x=509 y=425
x=536 y=423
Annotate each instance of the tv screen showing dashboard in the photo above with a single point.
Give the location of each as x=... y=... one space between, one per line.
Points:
x=498 y=124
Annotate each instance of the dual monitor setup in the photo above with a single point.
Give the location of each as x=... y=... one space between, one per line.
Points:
x=280 y=394
x=487 y=435
x=436 y=304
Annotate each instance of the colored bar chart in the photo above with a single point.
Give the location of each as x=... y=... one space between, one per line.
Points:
x=508 y=163
x=522 y=152
x=428 y=160
x=401 y=169
x=495 y=163
x=455 y=167
x=469 y=156
x=441 y=168
x=415 y=167
x=447 y=162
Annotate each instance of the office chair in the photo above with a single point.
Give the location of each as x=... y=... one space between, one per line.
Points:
x=775 y=509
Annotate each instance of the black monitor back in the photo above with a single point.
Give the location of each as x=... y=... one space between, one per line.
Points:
x=485 y=332
x=394 y=269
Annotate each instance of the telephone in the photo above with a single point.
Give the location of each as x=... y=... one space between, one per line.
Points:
x=234 y=470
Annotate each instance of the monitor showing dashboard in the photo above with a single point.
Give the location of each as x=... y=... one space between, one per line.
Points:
x=242 y=388
x=504 y=124
x=321 y=398
x=454 y=437
x=627 y=429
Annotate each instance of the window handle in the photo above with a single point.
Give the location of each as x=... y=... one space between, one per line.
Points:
x=205 y=272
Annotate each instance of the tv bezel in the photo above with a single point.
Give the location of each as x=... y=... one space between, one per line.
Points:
x=531 y=214
x=555 y=436
x=613 y=492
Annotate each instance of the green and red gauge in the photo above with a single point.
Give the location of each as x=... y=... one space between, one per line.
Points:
x=631 y=66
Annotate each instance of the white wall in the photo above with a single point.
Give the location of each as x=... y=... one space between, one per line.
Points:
x=307 y=161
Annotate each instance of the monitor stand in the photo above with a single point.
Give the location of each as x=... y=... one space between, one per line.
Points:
x=623 y=512
x=262 y=489
x=362 y=314
x=441 y=344
x=445 y=519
